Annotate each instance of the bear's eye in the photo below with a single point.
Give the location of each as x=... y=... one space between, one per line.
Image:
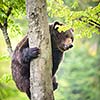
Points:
x=66 y=35
x=72 y=39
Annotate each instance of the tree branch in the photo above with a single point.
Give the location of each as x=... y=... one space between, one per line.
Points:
x=90 y=21
x=9 y=11
x=1 y=26
x=7 y=14
x=97 y=24
x=2 y=11
x=8 y=42
x=5 y=33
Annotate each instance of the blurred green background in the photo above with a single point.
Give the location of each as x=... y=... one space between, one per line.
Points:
x=79 y=72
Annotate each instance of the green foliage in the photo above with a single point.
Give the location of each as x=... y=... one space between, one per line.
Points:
x=18 y=7
x=62 y=28
x=75 y=4
x=79 y=75
x=7 y=90
x=5 y=78
x=17 y=12
x=85 y=22
x=4 y=58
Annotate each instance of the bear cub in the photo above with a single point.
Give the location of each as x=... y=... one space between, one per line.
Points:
x=20 y=64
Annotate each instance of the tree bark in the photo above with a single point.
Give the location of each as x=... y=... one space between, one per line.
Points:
x=40 y=68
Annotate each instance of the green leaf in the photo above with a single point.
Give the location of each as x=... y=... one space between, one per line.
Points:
x=6 y=78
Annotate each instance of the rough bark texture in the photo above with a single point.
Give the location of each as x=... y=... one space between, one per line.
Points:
x=40 y=69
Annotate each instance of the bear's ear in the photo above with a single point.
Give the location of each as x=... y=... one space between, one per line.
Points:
x=56 y=25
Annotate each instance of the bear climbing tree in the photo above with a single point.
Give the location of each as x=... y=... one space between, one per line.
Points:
x=60 y=42
x=36 y=78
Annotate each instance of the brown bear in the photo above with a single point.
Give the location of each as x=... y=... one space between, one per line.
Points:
x=60 y=42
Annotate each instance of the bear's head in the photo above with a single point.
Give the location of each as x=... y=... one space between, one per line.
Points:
x=61 y=40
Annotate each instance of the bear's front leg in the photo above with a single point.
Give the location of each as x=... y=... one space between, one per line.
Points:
x=29 y=53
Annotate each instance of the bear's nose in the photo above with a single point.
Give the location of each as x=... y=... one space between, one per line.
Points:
x=70 y=46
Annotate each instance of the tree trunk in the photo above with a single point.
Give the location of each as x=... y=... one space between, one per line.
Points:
x=40 y=68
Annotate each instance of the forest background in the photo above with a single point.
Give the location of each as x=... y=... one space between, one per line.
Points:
x=79 y=72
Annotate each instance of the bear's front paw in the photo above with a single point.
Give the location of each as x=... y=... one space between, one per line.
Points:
x=30 y=53
x=34 y=52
